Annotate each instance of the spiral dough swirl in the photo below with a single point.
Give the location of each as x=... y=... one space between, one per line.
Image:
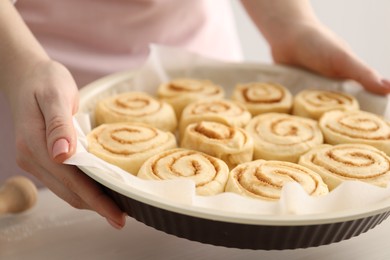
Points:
x=356 y=127
x=128 y=145
x=209 y=173
x=182 y=91
x=284 y=137
x=260 y=97
x=185 y=86
x=348 y=162
x=231 y=144
x=222 y=111
x=136 y=107
x=313 y=103
x=265 y=179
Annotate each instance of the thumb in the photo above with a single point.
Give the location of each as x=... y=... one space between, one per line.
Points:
x=60 y=136
x=60 y=133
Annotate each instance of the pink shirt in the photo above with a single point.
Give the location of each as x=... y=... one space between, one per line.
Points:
x=97 y=37
x=94 y=38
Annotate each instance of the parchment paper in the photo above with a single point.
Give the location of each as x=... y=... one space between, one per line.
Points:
x=166 y=63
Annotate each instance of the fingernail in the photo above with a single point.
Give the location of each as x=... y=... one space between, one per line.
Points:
x=61 y=146
x=385 y=83
x=114 y=224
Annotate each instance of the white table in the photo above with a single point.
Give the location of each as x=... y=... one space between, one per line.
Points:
x=54 y=230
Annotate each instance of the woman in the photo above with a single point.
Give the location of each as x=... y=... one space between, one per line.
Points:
x=74 y=42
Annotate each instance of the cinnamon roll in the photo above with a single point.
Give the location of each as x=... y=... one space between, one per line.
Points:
x=231 y=144
x=136 y=107
x=208 y=173
x=259 y=97
x=313 y=103
x=128 y=145
x=356 y=127
x=263 y=179
x=182 y=91
x=284 y=137
x=223 y=111
x=343 y=162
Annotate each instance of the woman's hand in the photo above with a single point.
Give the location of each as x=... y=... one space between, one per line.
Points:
x=296 y=37
x=43 y=98
x=314 y=47
x=43 y=102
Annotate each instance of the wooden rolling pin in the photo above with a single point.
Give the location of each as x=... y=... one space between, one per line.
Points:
x=17 y=194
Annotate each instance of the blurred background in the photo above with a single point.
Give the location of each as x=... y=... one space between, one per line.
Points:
x=363 y=24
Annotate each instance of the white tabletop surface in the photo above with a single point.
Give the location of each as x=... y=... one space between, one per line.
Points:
x=54 y=230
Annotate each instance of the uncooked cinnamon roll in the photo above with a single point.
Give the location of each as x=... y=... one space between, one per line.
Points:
x=231 y=144
x=343 y=162
x=263 y=179
x=223 y=111
x=284 y=137
x=313 y=103
x=356 y=127
x=136 y=107
x=260 y=97
x=128 y=145
x=209 y=173
x=183 y=91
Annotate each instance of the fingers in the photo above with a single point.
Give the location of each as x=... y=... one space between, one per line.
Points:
x=344 y=64
x=350 y=67
x=93 y=196
x=68 y=182
x=347 y=66
x=315 y=47
x=45 y=136
x=77 y=189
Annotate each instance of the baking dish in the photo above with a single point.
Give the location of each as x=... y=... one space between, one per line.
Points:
x=233 y=229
